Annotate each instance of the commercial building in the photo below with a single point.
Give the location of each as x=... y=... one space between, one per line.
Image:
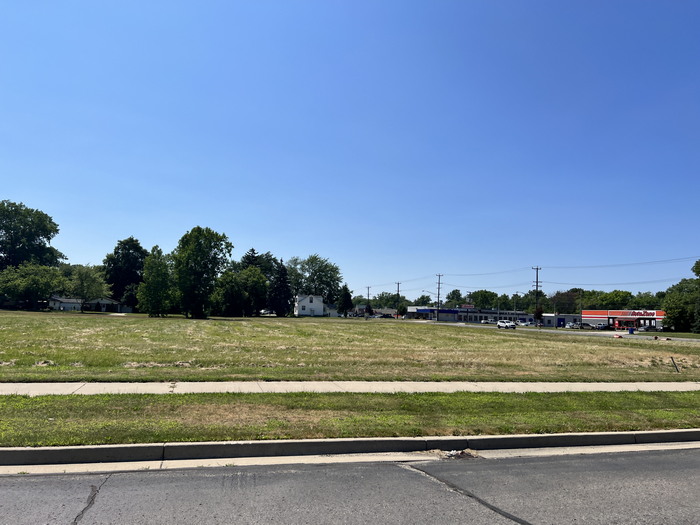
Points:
x=623 y=319
x=465 y=315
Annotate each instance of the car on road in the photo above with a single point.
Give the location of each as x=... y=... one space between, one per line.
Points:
x=647 y=328
x=505 y=324
x=523 y=323
x=488 y=321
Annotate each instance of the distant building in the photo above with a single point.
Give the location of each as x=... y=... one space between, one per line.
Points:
x=309 y=306
x=466 y=315
x=72 y=304
x=559 y=320
x=623 y=319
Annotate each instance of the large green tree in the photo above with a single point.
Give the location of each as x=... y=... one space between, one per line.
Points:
x=344 y=301
x=200 y=257
x=87 y=284
x=25 y=236
x=156 y=293
x=254 y=285
x=453 y=299
x=124 y=270
x=279 y=295
x=266 y=262
x=31 y=283
x=423 y=300
x=484 y=299
x=315 y=276
x=681 y=303
x=228 y=298
x=567 y=302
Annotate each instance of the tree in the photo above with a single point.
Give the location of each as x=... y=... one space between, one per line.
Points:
x=265 y=261
x=345 y=301
x=198 y=260
x=680 y=304
x=124 y=270
x=87 y=284
x=645 y=301
x=615 y=300
x=31 y=283
x=25 y=236
x=155 y=293
x=279 y=296
x=484 y=299
x=453 y=299
x=384 y=300
x=423 y=300
x=228 y=298
x=565 y=302
x=314 y=276
x=254 y=286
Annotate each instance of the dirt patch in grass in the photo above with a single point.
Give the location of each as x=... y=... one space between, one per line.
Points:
x=133 y=364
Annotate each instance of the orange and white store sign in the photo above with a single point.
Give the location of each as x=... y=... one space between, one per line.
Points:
x=624 y=318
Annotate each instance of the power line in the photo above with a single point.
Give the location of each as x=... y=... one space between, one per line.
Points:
x=614 y=284
x=664 y=261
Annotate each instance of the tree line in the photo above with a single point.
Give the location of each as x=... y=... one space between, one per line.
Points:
x=199 y=279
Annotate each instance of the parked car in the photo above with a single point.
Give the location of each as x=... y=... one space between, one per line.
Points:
x=505 y=324
x=647 y=328
x=603 y=326
x=488 y=321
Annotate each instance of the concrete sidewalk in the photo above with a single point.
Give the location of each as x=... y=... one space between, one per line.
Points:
x=157 y=455
x=387 y=387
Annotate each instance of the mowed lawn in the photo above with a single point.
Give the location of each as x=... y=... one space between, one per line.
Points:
x=145 y=418
x=93 y=347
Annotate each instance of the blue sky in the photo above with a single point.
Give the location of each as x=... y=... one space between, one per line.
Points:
x=398 y=139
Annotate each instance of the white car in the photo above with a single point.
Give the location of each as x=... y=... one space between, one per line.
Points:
x=505 y=324
x=523 y=323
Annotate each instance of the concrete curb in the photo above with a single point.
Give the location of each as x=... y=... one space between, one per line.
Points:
x=239 y=449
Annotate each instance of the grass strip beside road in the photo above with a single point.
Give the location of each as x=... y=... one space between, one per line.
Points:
x=132 y=418
x=54 y=347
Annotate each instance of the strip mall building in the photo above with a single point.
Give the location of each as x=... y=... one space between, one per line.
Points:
x=622 y=319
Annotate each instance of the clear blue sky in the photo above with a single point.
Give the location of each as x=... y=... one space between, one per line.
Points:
x=399 y=139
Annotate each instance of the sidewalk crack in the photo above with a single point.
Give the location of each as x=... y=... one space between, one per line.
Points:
x=467 y=493
x=94 y=491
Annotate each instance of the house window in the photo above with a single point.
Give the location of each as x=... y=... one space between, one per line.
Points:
x=311 y=299
x=303 y=307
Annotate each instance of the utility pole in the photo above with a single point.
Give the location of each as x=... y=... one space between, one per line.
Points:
x=398 y=299
x=368 y=306
x=437 y=311
x=537 y=289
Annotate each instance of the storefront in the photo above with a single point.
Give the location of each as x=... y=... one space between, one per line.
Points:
x=624 y=319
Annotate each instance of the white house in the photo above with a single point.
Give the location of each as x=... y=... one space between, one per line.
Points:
x=71 y=304
x=309 y=305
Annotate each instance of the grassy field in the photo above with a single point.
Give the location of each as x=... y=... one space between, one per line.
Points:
x=90 y=347
x=82 y=420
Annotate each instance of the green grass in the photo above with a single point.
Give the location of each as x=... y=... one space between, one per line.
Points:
x=80 y=347
x=104 y=419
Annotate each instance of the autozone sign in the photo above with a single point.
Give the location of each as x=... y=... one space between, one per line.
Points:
x=599 y=314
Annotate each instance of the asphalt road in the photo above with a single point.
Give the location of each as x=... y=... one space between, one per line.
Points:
x=659 y=487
